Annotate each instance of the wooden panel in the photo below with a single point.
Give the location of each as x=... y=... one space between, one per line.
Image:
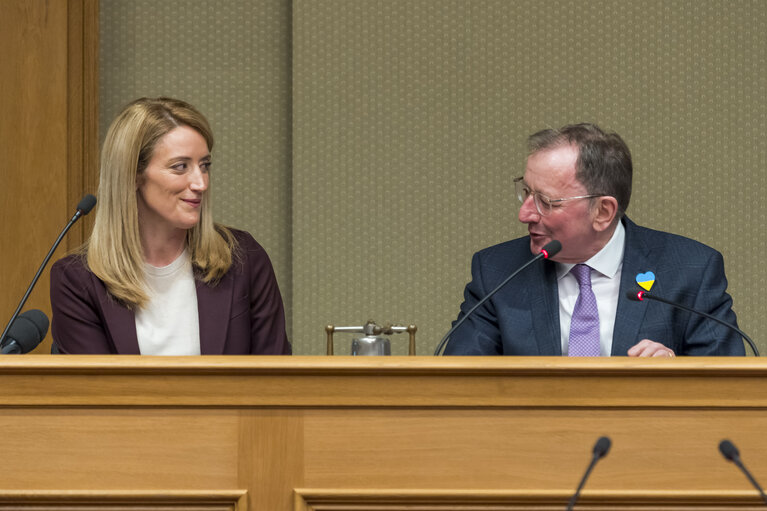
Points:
x=82 y=110
x=271 y=457
x=119 y=449
x=516 y=449
x=384 y=433
x=360 y=500
x=415 y=382
x=41 y=500
x=33 y=144
x=48 y=136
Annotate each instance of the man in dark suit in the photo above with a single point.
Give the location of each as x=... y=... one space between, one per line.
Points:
x=576 y=189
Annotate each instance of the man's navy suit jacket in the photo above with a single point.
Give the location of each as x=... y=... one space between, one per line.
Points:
x=523 y=317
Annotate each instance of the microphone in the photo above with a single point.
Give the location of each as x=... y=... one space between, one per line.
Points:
x=731 y=453
x=639 y=296
x=83 y=208
x=549 y=250
x=26 y=333
x=601 y=449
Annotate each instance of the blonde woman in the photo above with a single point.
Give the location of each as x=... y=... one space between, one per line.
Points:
x=158 y=276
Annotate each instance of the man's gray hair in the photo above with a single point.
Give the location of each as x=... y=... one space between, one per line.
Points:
x=604 y=160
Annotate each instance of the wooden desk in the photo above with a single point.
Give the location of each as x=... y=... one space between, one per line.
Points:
x=377 y=433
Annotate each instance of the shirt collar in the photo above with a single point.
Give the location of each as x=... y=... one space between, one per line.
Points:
x=607 y=261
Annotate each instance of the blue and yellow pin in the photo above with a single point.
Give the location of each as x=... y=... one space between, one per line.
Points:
x=646 y=280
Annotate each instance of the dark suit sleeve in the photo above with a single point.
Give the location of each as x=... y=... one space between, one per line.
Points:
x=76 y=326
x=267 y=326
x=480 y=333
x=704 y=337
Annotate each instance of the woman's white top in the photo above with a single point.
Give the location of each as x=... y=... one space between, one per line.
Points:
x=169 y=324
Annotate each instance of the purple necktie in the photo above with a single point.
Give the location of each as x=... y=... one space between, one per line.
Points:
x=584 y=326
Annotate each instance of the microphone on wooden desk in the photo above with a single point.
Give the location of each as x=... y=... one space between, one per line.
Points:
x=83 y=208
x=639 y=295
x=549 y=250
x=26 y=333
x=731 y=453
x=601 y=448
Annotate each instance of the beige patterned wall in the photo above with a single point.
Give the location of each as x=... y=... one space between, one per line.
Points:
x=408 y=120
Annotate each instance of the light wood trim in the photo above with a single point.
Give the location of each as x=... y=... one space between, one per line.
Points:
x=486 y=500
x=211 y=500
x=721 y=366
x=423 y=382
x=82 y=110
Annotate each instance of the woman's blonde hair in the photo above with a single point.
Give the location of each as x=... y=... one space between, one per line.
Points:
x=114 y=252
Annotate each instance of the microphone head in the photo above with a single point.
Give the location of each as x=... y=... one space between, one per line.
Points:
x=86 y=204
x=551 y=249
x=602 y=447
x=637 y=295
x=28 y=330
x=728 y=450
x=39 y=319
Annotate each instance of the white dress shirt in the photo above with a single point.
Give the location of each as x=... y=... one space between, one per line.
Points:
x=607 y=267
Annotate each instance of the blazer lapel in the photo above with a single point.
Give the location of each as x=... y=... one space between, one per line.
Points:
x=630 y=314
x=120 y=322
x=544 y=302
x=214 y=305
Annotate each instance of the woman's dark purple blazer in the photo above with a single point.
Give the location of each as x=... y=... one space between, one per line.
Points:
x=241 y=315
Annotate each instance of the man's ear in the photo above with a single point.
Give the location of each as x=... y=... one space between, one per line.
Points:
x=604 y=212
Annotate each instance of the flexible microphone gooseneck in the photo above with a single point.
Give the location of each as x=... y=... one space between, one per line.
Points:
x=731 y=453
x=601 y=449
x=83 y=208
x=639 y=296
x=550 y=249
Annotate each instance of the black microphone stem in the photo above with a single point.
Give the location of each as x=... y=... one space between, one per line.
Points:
x=709 y=316
x=731 y=453
x=74 y=219
x=743 y=469
x=479 y=303
x=601 y=448
x=577 y=494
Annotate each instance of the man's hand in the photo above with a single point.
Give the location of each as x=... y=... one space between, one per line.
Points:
x=648 y=348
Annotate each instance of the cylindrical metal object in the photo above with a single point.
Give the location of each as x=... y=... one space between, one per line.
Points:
x=371 y=346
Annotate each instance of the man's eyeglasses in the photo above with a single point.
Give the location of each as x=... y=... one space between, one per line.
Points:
x=543 y=204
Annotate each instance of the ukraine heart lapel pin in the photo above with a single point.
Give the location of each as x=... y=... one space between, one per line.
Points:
x=646 y=280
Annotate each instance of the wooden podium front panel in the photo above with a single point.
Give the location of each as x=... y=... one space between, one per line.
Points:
x=139 y=452
x=119 y=449
x=383 y=433
x=524 y=449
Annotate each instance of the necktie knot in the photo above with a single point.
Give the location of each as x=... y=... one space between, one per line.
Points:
x=582 y=274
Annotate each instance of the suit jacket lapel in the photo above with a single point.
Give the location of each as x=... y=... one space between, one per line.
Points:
x=630 y=315
x=120 y=323
x=214 y=305
x=544 y=302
